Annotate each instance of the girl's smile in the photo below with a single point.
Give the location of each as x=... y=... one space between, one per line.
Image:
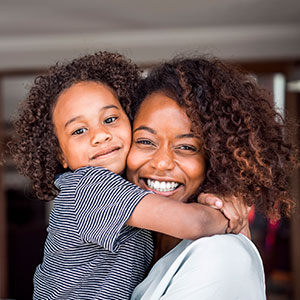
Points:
x=104 y=153
x=91 y=127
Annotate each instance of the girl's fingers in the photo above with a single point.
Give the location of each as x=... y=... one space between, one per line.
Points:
x=233 y=208
x=210 y=200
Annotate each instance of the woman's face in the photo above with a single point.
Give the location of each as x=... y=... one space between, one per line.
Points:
x=165 y=157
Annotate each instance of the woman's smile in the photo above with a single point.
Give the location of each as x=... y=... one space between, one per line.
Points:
x=162 y=186
x=165 y=187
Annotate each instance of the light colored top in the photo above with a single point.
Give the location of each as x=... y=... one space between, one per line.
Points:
x=219 y=267
x=90 y=252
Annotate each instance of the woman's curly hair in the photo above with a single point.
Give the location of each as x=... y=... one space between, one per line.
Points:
x=245 y=142
x=35 y=146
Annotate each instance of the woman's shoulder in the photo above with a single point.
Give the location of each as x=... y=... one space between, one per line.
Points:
x=226 y=250
x=218 y=241
x=224 y=243
x=218 y=267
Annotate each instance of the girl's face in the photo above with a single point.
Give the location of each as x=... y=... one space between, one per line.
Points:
x=91 y=127
x=165 y=157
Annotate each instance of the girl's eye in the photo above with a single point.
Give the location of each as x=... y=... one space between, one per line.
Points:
x=79 y=131
x=110 y=120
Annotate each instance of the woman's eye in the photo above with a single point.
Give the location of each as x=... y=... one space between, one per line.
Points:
x=79 y=131
x=187 y=148
x=110 y=120
x=144 y=142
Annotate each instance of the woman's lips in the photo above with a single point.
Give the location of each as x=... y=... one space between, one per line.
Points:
x=161 y=186
x=105 y=152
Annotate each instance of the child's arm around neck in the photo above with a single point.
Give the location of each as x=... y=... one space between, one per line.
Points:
x=181 y=220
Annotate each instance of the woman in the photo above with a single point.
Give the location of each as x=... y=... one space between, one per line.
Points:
x=203 y=126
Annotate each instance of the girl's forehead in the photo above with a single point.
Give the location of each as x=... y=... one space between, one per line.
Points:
x=85 y=90
x=84 y=99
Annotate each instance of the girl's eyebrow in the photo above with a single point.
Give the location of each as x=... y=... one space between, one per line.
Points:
x=102 y=108
x=109 y=106
x=72 y=120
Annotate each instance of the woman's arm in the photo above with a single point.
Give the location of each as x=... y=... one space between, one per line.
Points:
x=181 y=220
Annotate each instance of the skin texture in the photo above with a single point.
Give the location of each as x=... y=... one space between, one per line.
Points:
x=248 y=151
x=81 y=91
x=92 y=128
x=165 y=150
x=169 y=152
x=35 y=146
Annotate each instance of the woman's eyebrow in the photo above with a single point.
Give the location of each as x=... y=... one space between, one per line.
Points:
x=145 y=128
x=186 y=135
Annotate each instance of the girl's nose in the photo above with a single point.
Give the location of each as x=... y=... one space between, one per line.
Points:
x=100 y=135
x=163 y=160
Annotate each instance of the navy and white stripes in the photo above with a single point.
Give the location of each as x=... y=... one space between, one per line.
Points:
x=90 y=252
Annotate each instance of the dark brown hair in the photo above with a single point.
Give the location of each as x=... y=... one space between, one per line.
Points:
x=35 y=146
x=244 y=139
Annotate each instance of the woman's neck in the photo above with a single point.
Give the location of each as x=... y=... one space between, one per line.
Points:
x=163 y=244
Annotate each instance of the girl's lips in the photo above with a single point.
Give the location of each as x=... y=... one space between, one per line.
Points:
x=105 y=152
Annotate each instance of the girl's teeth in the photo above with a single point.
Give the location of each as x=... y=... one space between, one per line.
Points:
x=162 y=186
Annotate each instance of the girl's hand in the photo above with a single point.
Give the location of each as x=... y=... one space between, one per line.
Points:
x=234 y=209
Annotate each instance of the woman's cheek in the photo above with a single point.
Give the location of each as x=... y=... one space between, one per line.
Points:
x=131 y=155
x=133 y=163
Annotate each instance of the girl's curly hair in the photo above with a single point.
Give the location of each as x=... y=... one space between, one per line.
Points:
x=245 y=141
x=35 y=146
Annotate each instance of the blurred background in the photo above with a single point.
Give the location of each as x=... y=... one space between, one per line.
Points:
x=262 y=36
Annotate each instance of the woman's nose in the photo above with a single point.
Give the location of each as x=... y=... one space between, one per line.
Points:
x=100 y=135
x=163 y=160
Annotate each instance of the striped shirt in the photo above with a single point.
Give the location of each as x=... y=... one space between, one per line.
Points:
x=90 y=253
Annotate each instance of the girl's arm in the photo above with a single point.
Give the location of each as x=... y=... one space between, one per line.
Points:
x=234 y=209
x=181 y=220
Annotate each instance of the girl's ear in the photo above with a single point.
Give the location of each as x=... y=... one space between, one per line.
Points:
x=62 y=159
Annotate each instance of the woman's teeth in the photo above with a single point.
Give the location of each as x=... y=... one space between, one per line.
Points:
x=162 y=186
